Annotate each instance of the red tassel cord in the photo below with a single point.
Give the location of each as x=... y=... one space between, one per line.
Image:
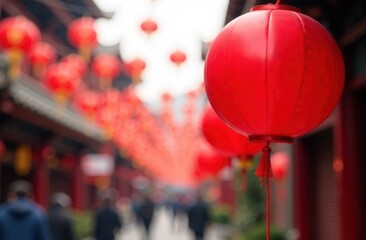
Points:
x=264 y=172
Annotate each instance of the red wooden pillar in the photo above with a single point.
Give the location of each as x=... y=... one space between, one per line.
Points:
x=79 y=187
x=351 y=222
x=41 y=179
x=302 y=195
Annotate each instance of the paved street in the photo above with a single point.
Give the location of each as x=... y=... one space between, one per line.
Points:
x=161 y=229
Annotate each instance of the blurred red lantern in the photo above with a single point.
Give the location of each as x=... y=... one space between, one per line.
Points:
x=229 y=142
x=77 y=62
x=17 y=36
x=135 y=69
x=225 y=139
x=82 y=35
x=149 y=26
x=178 y=57
x=209 y=160
x=88 y=103
x=106 y=67
x=41 y=55
x=62 y=80
x=281 y=77
x=280 y=164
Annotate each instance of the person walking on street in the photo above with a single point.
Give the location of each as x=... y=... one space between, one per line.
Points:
x=20 y=217
x=145 y=214
x=107 y=222
x=198 y=218
x=59 y=217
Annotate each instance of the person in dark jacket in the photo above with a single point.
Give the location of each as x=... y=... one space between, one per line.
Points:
x=60 y=219
x=198 y=218
x=20 y=217
x=145 y=214
x=107 y=221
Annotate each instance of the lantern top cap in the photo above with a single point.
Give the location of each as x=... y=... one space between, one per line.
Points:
x=275 y=7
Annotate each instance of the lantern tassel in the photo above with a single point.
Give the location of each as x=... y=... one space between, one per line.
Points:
x=264 y=168
x=264 y=171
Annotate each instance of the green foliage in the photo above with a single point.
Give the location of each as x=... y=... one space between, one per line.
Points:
x=250 y=213
x=258 y=232
x=251 y=202
x=220 y=213
x=83 y=224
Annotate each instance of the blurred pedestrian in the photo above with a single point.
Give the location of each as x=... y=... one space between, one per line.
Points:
x=199 y=218
x=20 y=217
x=107 y=222
x=178 y=210
x=145 y=214
x=126 y=211
x=60 y=219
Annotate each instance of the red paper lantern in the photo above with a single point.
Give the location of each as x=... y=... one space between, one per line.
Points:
x=135 y=69
x=17 y=36
x=178 y=57
x=225 y=139
x=292 y=81
x=209 y=160
x=279 y=162
x=282 y=80
x=82 y=35
x=41 y=55
x=77 y=62
x=88 y=102
x=62 y=80
x=273 y=74
x=105 y=67
x=229 y=142
x=149 y=26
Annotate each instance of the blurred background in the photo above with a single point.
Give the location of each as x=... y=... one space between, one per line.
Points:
x=109 y=94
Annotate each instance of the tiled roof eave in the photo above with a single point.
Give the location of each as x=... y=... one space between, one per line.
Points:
x=36 y=99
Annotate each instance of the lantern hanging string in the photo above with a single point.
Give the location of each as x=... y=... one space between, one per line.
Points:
x=264 y=172
x=278 y=2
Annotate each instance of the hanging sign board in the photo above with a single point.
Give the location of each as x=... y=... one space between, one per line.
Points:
x=94 y=165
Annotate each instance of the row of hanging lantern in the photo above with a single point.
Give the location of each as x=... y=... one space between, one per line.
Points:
x=149 y=26
x=19 y=36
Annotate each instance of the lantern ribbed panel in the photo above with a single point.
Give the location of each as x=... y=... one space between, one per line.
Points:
x=274 y=72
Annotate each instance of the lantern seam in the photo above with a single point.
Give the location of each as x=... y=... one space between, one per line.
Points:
x=266 y=68
x=302 y=82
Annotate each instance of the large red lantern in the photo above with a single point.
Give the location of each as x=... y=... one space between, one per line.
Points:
x=41 y=55
x=62 y=80
x=106 y=67
x=149 y=26
x=135 y=69
x=17 y=36
x=273 y=74
x=178 y=57
x=82 y=35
